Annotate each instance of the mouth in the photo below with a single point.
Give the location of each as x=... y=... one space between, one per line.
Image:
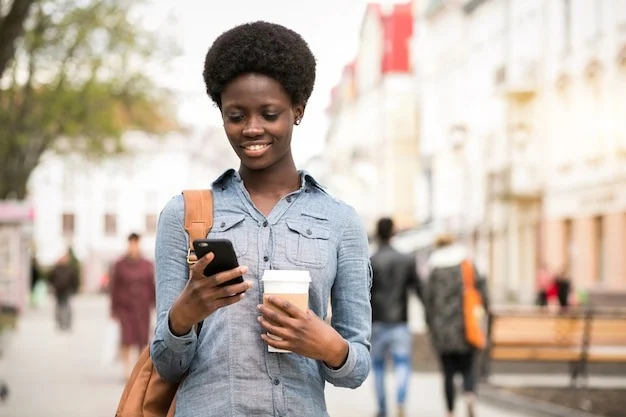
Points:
x=255 y=150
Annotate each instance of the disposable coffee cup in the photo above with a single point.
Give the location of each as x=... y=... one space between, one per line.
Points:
x=290 y=285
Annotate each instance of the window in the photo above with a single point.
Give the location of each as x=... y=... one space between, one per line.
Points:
x=567 y=26
x=568 y=247
x=151 y=224
x=598 y=15
x=620 y=14
x=68 y=224
x=110 y=224
x=599 y=249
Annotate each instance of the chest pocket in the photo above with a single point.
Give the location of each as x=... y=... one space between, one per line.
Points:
x=307 y=244
x=232 y=228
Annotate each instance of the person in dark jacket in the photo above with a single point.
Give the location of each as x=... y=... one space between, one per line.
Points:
x=394 y=277
x=64 y=281
x=443 y=302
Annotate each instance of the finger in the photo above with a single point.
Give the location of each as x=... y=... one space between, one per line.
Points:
x=278 y=344
x=281 y=332
x=226 y=276
x=234 y=289
x=226 y=301
x=198 y=268
x=285 y=305
x=274 y=316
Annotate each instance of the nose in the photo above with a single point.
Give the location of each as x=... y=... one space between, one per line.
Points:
x=253 y=127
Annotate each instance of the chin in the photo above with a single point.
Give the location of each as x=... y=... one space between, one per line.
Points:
x=256 y=165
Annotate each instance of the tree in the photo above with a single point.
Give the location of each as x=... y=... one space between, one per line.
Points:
x=11 y=28
x=77 y=82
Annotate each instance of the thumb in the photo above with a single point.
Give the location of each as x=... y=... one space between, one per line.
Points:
x=200 y=265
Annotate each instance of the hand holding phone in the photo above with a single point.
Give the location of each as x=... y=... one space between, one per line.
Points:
x=225 y=257
x=216 y=281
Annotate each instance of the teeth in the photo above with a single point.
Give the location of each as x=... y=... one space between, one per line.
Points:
x=256 y=147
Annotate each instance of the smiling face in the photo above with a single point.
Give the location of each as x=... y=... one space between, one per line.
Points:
x=258 y=120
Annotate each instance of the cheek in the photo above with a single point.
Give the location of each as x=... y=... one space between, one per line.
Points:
x=232 y=132
x=283 y=128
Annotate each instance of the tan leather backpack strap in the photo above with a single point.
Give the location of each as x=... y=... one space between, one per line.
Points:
x=198 y=217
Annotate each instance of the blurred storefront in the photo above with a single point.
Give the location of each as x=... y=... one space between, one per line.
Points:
x=16 y=220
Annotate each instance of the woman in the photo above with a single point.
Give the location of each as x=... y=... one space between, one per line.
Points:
x=443 y=303
x=132 y=299
x=260 y=76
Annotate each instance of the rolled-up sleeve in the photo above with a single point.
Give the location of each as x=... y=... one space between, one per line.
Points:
x=350 y=297
x=171 y=355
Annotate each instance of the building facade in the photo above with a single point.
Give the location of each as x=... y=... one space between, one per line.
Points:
x=520 y=104
x=371 y=145
x=585 y=197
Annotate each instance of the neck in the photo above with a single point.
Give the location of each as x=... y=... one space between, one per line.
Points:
x=279 y=179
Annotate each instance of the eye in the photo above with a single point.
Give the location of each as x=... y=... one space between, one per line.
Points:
x=234 y=118
x=270 y=117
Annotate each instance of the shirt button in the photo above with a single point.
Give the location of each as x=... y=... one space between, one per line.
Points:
x=307 y=190
x=265 y=223
x=308 y=231
x=223 y=224
x=276 y=381
x=289 y=199
x=266 y=258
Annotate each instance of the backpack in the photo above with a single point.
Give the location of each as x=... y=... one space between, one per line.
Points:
x=473 y=309
x=145 y=393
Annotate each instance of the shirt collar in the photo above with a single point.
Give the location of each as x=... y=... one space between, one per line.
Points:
x=305 y=179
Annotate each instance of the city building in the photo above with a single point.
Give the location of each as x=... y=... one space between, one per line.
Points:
x=519 y=122
x=372 y=145
x=585 y=102
x=93 y=205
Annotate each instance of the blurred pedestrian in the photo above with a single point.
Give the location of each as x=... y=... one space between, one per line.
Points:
x=63 y=279
x=445 y=316
x=544 y=281
x=35 y=282
x=394 y=277
x=132 y=299
x=563 y=287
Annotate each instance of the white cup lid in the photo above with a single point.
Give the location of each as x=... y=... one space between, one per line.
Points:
x=284 y=275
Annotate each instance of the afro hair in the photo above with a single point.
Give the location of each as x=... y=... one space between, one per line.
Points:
x=263 y=48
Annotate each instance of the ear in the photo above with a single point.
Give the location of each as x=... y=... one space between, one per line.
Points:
x=298 y=113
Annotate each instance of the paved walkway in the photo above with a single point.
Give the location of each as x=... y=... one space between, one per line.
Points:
x=52 y=374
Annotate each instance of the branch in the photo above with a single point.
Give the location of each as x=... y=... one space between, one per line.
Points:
x=11 y=29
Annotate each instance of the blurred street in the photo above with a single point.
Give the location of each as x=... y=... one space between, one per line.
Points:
x=50 y=373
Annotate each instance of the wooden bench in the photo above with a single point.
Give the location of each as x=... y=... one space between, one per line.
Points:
x=577 y=337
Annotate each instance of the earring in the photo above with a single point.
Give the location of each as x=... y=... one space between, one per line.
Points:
x=297 y=122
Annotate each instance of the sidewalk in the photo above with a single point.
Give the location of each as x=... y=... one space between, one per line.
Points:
x=52 y=374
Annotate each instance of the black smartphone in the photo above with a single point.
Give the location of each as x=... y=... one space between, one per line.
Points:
x=225 y=257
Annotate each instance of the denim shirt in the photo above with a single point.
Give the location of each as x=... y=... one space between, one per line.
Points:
x=230 y=371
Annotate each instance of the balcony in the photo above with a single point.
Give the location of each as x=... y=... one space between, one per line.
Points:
x=519 y=183
x=518 y=80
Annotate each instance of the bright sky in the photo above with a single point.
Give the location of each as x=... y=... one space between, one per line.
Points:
x=331 y=27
